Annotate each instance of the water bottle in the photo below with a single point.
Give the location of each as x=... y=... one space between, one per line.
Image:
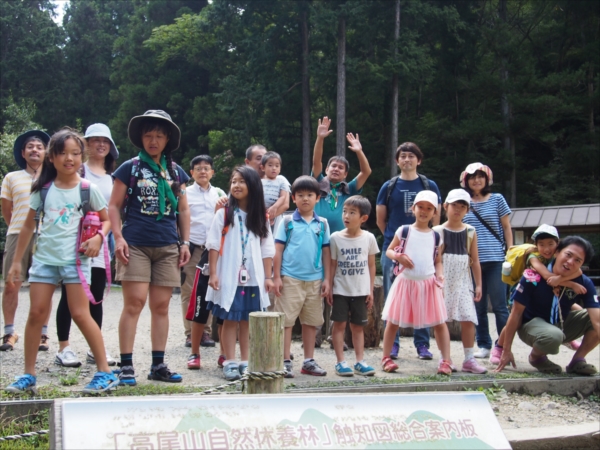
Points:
x=506 y=268
x=91 y=225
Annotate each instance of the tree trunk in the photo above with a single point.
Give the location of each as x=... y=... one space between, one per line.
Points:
x=591 y=96
x=394 y=126
x=341 y=88
x=509 y=146
x=305 y=94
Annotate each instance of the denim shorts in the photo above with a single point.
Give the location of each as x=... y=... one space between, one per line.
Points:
x=45 y=273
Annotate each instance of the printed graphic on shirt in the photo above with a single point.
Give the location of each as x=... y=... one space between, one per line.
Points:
x=352 y=262
x=63 y=215
x=409 y=198
x=148 y=186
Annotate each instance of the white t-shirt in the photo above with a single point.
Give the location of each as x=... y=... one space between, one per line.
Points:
x=273 y=188
x=60 y=223
x=420 y=248
x=105 y=184
x=202 y=204
x=352 y=277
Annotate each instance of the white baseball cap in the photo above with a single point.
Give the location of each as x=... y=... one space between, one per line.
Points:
x=456 y=195
x=545 y=229
x=427 y=196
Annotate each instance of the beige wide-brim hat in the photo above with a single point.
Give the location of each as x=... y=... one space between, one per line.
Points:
x=135 y=125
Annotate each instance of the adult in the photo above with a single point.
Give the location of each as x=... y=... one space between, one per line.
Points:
x=148 y=250
x=489 y=214
x=102 y=154
x=333 y=186
x=254 y=155
x=29 y=151
x=393 y=210
x=543 y=316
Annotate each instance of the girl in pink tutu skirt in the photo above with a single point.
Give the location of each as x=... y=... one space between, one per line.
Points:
x=416 y=298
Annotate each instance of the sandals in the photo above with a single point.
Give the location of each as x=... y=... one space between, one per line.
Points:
x=544 y=365
x=162 y=373
x=388 y=365
x=581 y=367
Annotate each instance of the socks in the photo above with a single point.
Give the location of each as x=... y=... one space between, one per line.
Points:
x=9 y=329
x=126 y=359
x=307 y=360
x=157 y=358
x=469 y=353
x=45 y=329
x=343 y=364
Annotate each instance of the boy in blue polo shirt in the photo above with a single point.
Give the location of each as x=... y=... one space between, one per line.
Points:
x=302 y=261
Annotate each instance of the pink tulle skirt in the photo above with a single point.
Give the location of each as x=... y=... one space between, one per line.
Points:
x=415 y=303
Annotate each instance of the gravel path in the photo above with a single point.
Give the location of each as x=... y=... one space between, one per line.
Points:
x=513 y=410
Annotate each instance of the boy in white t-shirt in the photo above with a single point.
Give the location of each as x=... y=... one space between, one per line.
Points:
x=276 y=188
x=352 y=271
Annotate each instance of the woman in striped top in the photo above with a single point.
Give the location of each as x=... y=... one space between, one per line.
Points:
x=494 y=211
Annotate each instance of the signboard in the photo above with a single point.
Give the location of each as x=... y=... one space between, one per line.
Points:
x=425 y=420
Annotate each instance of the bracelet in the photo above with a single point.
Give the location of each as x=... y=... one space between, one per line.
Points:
x=185 y=243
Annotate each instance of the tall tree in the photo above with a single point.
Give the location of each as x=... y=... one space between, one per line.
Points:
x=340 y=134
x=394 y=125
x=306 y=141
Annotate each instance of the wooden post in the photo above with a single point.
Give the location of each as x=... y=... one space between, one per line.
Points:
x=266 y=351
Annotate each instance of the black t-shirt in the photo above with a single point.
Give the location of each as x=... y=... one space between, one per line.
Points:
x=141 y=227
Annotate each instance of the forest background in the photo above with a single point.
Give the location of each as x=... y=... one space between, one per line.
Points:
x=510 y=83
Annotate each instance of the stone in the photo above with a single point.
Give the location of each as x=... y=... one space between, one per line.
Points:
x=510 y=419
x=496 y=409
x=526 y=406
x=550 y=405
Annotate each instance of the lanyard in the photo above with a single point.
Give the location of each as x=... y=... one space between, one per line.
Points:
x=334 y=195
x=244 y=240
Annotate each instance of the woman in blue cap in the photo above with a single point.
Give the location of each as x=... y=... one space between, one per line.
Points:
x=102 y=155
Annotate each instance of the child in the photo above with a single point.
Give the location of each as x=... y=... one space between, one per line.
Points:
x=202 y=199
x=460 y=256
x=301 y=262
x=276 y=187
x=415 y=298
x=240 y=281
x=353 y=253
x=545 y=239
x=55 y=257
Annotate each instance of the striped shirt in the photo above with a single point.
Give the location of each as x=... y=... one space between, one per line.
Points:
x=492 y=210
x=16 y=187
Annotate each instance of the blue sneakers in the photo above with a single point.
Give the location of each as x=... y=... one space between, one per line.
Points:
x=363 y=369
x=243 y=368
x=102 y=382
x=343 y=370
x=424 y=352
x=22 y=384
x=231 y=370
x=162 y=373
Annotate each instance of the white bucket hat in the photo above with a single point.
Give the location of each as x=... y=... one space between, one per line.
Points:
x=101 y=130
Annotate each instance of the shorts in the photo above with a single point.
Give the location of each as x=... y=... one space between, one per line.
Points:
x=9 y=251
x=301 y=299
x=355 y=307
x=158 y=266
x=197 y=308
x=45 y=273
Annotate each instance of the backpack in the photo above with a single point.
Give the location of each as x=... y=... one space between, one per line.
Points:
x=288 y=223
x=135 y=174
x=84 y=192
x=392 y=185
x=397 y=268
x=517 y=257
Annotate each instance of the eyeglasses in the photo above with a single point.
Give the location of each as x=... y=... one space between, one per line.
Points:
x=202 y=169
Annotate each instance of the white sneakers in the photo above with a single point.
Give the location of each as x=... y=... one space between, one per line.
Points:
x=482 y=353
x=67 y=358
x=91 y=360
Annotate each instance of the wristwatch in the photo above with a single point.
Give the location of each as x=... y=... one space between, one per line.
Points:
x=185 y=243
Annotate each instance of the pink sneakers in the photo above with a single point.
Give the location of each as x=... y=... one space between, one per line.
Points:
x=473 y=366
x=496 y=355
x=444 y=367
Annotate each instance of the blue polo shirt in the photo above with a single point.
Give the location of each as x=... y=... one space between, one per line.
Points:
x=334 y=217
x=300 y=253
x=538 y=299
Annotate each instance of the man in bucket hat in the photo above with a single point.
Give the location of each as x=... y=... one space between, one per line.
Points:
x=29 y=151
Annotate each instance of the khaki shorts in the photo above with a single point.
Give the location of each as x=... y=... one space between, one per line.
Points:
x=9 y=251
x=301 y=299
x=158 y=266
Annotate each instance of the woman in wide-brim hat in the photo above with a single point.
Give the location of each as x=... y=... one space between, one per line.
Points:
x=102 y=154
x=150 y=192
x=490 y=215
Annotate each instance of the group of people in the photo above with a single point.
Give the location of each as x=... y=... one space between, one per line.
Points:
x=233 y=254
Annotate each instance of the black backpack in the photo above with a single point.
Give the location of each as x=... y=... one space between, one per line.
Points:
x=392 y=185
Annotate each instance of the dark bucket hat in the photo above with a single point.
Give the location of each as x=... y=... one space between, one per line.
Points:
x=101 y=130
x=20 y=141
x=135 y=124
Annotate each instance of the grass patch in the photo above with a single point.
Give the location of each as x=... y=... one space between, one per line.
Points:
x=70 y=379
x=10 y=426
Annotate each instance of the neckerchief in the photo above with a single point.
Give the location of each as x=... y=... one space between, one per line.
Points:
x=162 y=185
x=334 y=195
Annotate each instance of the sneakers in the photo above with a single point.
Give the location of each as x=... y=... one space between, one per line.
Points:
x=67 y=358
x=310 y=367
x=423 y=352
x=193 y=361
x=22 y=384
x=221 y=360
x=395 y=350
x=473 y=366
x=126 y=376
x=243 y=368
x=162 y=373
x=206 y=341
x=482 y=353
x=89 y=358
x=9 y=341
x=231 y=370
x=101 y=382
x=496 y=355
x=188 y=341
x=343 y=370
x=44 y=343
x=289 y=370
x=363 y=369
x=388 y=365
x=444 y=367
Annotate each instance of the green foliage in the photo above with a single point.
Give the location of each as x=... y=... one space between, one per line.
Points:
x=70 y=378
x=10 y=426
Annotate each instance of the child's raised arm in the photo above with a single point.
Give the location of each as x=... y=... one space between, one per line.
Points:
x=322 y=132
